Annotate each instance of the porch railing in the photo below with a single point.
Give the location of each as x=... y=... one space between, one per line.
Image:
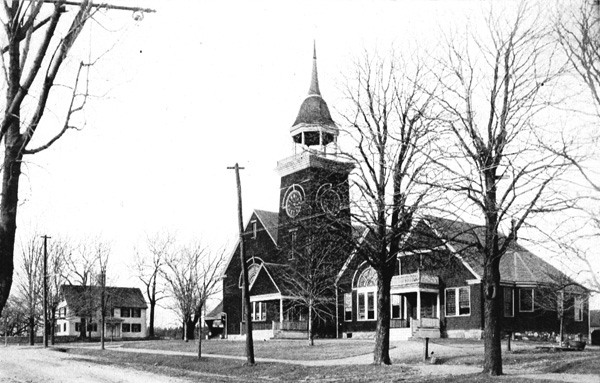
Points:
x=414 y=279
x=291 y=325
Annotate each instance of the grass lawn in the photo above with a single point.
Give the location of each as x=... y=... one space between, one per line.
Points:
x=276 y=349
x=525 y=357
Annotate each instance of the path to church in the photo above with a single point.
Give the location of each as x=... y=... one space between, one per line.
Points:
x=24 y=364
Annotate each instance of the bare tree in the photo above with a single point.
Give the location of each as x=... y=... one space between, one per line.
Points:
x=58 y=253
x=390 y=121
x=39 y=35
x=193 y=276
x=314 y=262
x=493 y=86
x=30 y=286
x=148 y=269
x=578 y=32
x=102 y=256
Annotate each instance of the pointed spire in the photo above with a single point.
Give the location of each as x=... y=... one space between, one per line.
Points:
x=314 y=83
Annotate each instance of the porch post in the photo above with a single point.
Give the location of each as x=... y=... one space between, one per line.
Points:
x=438 y=306
x=419 y=304
x=281 y=310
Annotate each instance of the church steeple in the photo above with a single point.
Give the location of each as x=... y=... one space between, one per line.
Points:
x=314 y=83
x=314 y=125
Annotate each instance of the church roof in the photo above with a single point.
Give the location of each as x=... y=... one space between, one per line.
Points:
x=518 y=265
x=270 y=221
x=314 y=109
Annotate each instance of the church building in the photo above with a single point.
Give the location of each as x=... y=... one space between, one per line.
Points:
x=306 y=255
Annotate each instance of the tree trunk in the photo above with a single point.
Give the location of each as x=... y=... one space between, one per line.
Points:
x=151 y=328
x=561 y=330
x=82 y=332
x=31 y=330
x=189 y=329
x=199 y=342
x=492 y=357
x=11 y=171
x=381 y=355
x=102 y=320
x=53 y=327
x=311 y=337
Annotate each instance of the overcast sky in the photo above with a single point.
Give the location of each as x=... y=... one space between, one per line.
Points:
x=197 y=87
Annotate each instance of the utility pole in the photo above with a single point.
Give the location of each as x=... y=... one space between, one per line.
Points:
x=45 y=290
x=245 y=291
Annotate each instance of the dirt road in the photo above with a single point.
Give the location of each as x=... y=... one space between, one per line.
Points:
x=32 y=365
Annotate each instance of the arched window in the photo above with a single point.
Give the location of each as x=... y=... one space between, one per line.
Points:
x=367 y=278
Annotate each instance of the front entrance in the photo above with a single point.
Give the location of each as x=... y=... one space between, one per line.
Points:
x=596 y=337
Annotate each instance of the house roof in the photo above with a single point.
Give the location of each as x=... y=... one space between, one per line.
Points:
x=75 y=296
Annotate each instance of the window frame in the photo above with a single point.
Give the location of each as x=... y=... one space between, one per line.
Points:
x=347 y=307
x=254 y=226
x=512 y=302
x=457 y=306
x=578 y=305
x=259 y=315
x=125 y=310
x=136 y=312
x=399 y=305
x=125 y=327
x=364 y=294
x=521 y=310
x=136 y=327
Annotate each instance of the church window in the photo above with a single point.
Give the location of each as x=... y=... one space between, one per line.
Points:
x=252 y=273
x=254 y=229
x=367 y=278
x=578 y=306
x=508 y=302
x=259 y=311
x=458 y=301
x=348 y=307
x=526 y=300
x=396 y=306
x=293 y=242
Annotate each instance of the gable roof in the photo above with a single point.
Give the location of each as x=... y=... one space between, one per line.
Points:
x=270 y=221
x=75 y=296
x=215 y=313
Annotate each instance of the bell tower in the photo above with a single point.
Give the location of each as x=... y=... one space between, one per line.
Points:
x=314 y=193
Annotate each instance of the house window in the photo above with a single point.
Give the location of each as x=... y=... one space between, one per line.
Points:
x=578 y=306
x=64 y=327
x=254 y=229
x=259 y=311
x=508 y=302
x=136 y=313
x=348 y=307
x=126 y=327
x=92 y=327
x=77 y=327
x=125 y=312
x=458 y=301
x=136 y=327
x=526 y=300
x=396 y=306
x=366 y=305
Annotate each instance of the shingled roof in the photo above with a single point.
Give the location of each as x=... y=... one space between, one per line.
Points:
x=270 y=221
x=517 y=265
x=78 y=297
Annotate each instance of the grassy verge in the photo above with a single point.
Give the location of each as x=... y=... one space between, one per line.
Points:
x=227 y=370
x=279 y=349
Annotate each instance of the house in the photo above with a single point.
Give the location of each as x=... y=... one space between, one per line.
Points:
x=80 y=308
x=436 y=290
x=595 y=327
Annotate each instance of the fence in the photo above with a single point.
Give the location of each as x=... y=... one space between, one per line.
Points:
x=291 y=325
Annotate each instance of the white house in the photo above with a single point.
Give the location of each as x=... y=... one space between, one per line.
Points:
x=80 y=306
